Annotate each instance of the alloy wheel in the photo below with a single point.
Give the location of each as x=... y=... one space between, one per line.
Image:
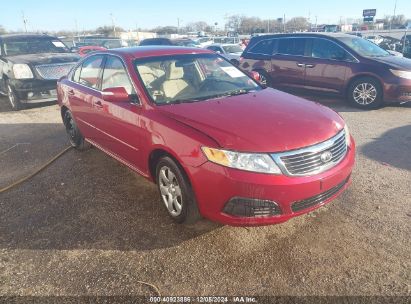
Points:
x=170 y=191
x=365 y=93
x=11 y=96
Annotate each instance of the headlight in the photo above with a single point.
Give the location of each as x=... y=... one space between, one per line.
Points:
x=402 y=74
x=261 y=163
x=347 y=135
x=22 y=71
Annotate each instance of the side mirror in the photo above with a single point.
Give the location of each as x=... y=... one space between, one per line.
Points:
x=218 y=52
x=117 y=94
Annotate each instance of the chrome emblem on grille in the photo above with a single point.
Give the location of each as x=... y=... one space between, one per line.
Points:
x=326 y=156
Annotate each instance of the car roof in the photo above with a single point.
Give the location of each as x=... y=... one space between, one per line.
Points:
x=24 y=36
x=308 y=34
x=156 y=50
x=222 y=44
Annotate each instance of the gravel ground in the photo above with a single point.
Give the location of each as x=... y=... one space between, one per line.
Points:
x=87 y=225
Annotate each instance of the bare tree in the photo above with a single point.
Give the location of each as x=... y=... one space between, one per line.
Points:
x=298 y=24
x=2 y=30
x=108 y=31
x=163 y=30
x=197 y=26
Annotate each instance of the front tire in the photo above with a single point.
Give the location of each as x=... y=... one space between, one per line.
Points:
x=176 y=192
x=365 y=93
x=74 y=135
x=13 y=98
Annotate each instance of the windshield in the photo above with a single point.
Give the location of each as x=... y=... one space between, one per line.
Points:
x=190 y=78
x=364 y=47
x=232 y=49
x=33 y=46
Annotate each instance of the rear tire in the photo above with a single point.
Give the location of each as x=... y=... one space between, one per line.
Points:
x=176 y=192
x=74 y=135
x=365 y=93
x=13 y=98
x=265 y=79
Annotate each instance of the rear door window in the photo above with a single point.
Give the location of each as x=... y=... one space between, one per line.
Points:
x=263 y=47
x=292 y=46
x=90 y=72
x=115 y=75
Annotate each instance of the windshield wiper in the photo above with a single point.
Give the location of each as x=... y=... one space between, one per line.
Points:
x=226 y=94
x=231 y=93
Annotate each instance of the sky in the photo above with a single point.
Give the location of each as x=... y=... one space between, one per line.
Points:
x=55 y=15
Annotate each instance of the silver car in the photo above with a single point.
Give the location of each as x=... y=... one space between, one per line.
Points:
x=231 y=52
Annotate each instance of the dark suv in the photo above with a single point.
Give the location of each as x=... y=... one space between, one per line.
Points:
x=333 y=63
x=30 y=65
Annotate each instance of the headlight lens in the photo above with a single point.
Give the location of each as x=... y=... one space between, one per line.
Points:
x=402 y=74
x=22 y=71
x=347 y=135
x=255 y=162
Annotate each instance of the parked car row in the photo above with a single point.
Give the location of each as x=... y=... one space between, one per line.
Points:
x=333 y=63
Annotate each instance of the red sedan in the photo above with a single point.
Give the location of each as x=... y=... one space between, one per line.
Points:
x=216 y=143
x=85 y=50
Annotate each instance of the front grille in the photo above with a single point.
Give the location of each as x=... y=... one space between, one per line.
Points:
x=54 y=71
x=247 y=207
x=314 y=159
x=318 y=199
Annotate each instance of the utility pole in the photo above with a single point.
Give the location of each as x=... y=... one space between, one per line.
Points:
x=284 y=24
x=316 y=24
x=268 y=25
x=24 y=21
x=395 y=10
x=113 y=24
x=178 y=25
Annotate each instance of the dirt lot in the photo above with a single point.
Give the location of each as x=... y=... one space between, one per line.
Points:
x=87 y=225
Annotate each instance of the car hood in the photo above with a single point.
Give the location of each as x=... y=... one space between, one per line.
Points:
x=400 y=63
x=264 y=121
x=45 y=58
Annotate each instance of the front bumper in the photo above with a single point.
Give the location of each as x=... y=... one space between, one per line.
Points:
x=216 y=185
x=397 y=90
x=33 y=90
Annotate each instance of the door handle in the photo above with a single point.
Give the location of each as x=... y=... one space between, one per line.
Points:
x=310 y=65
x=301 y=65
x=70 y=92
x=98 y=104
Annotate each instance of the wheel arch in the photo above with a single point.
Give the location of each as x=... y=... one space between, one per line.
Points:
x=156 y=154
x=63 y=111
x=364 y=75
